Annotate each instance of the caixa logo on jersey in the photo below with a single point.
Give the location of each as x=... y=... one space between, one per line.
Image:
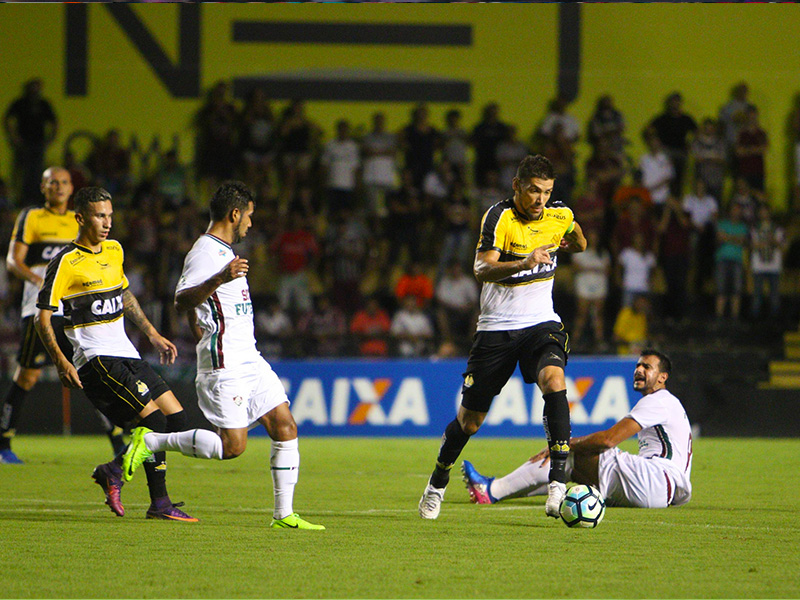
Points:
x=419 y=398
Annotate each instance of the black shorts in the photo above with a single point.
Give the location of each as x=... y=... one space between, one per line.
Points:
x=495 y=354
x=120 y=387
x=32 y=353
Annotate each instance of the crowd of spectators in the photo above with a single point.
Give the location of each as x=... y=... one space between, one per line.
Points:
x=362 y=244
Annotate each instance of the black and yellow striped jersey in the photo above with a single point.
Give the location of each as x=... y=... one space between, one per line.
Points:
x=90 y=286
x=525 y=298
x=46 y=233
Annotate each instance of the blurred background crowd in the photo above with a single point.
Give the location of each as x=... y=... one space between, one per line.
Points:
x=363 y=237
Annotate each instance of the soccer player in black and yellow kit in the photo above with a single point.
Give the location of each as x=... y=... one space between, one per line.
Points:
x=87 y=277
x=39 y=234
x=515 y=261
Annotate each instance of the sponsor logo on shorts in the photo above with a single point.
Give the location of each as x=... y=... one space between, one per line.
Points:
x=142 y=388
x=469 y=380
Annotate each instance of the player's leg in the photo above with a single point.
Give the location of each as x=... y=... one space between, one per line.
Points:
x=284 y=460
x=529 y=479
x=125 y=388
x=491 y=363
x=31 y=357
x=196 y=443
x=23 y=381
x=270 y=405
x=557 y=430
x=543 y=360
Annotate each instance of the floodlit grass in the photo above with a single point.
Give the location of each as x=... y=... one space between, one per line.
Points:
x=738 y=537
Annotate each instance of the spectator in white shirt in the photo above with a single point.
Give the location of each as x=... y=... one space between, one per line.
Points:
x=379 y=148
x=635 y=265
x=657 y=171
x=412 y=329
x=457 y=300
x=702 y=209
x=341 y=160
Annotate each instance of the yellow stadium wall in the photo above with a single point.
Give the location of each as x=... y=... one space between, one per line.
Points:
x=637 y=52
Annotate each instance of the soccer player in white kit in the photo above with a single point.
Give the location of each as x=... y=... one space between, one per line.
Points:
x=236 y=387
x=657 y=477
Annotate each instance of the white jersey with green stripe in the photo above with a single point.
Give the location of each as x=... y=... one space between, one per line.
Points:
x=226 y=317
x=666 y=435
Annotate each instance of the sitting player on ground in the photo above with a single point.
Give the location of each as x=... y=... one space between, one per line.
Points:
x=659 y=476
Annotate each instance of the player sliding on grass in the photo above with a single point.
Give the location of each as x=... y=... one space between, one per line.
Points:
x=515 y=260
x=235 y=386
x=88 y=278
x=655 y=478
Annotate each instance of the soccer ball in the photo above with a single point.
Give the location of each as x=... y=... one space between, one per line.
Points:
x=583 y=506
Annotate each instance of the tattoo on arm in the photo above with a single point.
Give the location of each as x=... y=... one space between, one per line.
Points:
x=47 y=334
x=135 y=313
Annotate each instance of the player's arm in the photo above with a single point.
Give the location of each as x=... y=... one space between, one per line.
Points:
x=574 y=241
x=15 y=263
x=600 y=441
x=188 y=299
x=67 y=372
x=488 y=267
x=133 y=312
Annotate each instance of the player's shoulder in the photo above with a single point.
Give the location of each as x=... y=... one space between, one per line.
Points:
x=112 y=246
x=210 y=244
x=69 y=256
x=496 y=211
x=559 y=210
x=30 y=214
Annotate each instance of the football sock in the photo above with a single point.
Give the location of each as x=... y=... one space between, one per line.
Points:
x=12 y=406
x=526 y=480
x=155 y=467
x=557 y=428
x=453 y=442
x=197 y=443
x=177 y=422
x=284 y=460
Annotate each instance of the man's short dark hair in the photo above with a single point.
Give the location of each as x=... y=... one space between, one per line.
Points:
x=664 y=363
x=535 y=166
x=86 y=196
x=230 y=195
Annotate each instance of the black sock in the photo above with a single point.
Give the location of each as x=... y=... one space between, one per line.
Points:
x=12 y=407
x=155 y=467
x=453 y=442
x=156 y=472
x=176 y=422
x=557 y=429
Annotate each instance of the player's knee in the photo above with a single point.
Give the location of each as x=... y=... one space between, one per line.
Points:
x=284 y=430
x=551 y=379
x=469 y=425
x=233 y=448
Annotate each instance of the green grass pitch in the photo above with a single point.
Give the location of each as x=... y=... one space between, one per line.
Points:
x=738 y=537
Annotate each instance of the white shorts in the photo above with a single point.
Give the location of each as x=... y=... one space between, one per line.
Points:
x=630 y=480
x=237 y=397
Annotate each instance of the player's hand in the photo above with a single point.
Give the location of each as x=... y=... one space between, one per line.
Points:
x=543 y=457
x=68 y=375
x=540 y=255
x=167 y=352
x=238 y=267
